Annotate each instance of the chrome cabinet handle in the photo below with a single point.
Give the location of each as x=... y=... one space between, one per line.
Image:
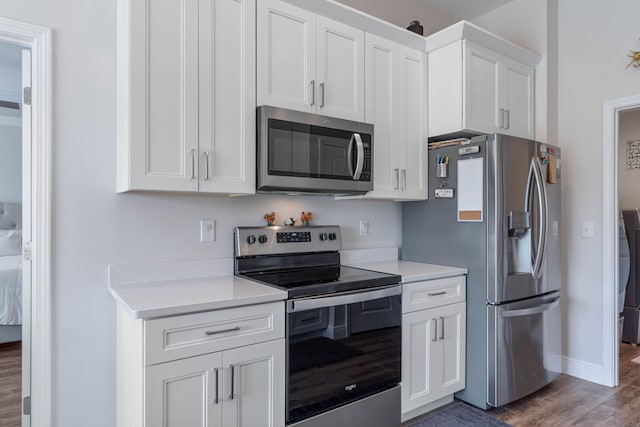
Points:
x=313 y=92
x=506 y=119
x=404 y=179
x=216 y=399
x=397 y=181
x=435 y=294
x=232 y=381
x=206 y=165
x=442 y=328
x=322 y=93
x=222 y=331
x=193 y=163
x=435 y=330
x=501 y=119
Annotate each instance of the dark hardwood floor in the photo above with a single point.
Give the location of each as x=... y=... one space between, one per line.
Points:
x=569 y=401
x=10 y=384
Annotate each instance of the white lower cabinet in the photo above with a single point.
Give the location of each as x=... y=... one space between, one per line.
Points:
x=433 y=348
x=238 y=386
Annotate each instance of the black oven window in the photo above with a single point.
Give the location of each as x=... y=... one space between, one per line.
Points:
x=341 y=354
x=309 y=151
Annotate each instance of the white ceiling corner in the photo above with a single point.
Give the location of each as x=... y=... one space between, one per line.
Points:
x=466 y=9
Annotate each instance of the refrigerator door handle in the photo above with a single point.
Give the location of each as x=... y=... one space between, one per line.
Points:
x=535 y=175
x=532 y=310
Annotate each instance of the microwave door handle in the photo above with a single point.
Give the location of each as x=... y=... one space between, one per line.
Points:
x=360 y=161
x=350 y=155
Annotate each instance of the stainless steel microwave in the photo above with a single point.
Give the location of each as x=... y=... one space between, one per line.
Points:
x=309 y=153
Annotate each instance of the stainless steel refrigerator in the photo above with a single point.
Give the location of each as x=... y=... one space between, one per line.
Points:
x=497 y=212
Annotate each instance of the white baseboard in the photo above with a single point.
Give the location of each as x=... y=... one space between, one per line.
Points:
x=584 y=370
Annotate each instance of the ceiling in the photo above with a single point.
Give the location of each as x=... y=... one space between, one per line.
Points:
x=466 y=9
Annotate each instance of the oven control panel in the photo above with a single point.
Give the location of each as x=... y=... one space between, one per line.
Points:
x=293 y=236
x=252 y=241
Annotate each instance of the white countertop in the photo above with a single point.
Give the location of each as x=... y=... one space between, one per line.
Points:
x=167 y=298
x=412 y=271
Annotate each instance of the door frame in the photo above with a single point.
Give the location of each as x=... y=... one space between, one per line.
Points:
x=610 y=129
x=38 y=39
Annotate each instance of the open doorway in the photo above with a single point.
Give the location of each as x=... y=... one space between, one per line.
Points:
x=34 y=43
x=613 y=113
x=11 y=231
x=628 y=176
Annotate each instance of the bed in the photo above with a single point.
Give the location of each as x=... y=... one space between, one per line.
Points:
x=10 y=272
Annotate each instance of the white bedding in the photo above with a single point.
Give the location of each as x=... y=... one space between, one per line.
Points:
x=11 y=290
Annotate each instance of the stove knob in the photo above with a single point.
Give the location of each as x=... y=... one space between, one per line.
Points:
x=251 y=239
x=333 y=236
x=262 y=238
x=323 y=236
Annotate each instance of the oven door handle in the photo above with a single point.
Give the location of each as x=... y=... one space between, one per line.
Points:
x=350 y=298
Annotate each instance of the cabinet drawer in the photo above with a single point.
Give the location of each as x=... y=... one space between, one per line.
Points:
x=172 y=338
x=433 y=293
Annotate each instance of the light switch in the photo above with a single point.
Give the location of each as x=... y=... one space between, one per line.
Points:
x=208 y=230
x=364 y=228
x=587 y=229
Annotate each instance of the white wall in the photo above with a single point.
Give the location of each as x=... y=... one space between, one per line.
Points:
x=10 y=163
x=93 y=226
x=402 y=12
x=628 y=180
x=594 y=39
x=10 y=130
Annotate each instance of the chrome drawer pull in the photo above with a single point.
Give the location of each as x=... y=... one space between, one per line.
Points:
x=237 y=328
x=435 y=294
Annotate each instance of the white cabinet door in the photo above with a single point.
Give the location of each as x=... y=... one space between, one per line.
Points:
x=412 y=113
x=481 y=89
x=381 y=79
x=433 y=354
x=182 y=393
x=286 y=56
x=227 y=96
x=158 y=126
x=449 y=367
x=418 y=339
x=340 y=70
x=518 y=102
x=255 y=394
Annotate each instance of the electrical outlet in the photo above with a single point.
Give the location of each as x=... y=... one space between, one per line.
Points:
x=364 y=228
x=587 y=229
x=208 y=230
x=554 y=229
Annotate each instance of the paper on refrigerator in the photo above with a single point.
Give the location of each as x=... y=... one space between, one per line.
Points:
x=471 y=190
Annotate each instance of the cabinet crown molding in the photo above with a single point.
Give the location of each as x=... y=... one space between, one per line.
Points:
x=469 y=31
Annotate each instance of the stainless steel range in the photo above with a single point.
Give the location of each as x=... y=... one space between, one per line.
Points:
x=343 y=326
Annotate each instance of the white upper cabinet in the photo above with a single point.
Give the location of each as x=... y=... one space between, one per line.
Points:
x=186 y=95
x=396 y=104
x=309 y=63
x=412 y=114
x=286 y=56
x=517 y=98
x=479 y=83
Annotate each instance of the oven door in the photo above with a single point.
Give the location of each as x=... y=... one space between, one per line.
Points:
x=312 y=153
x=341 y=348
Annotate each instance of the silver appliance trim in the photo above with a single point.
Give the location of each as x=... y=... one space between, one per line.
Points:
x=318 y=235
x=382 y=409
x=267 y=183
x=303 y=304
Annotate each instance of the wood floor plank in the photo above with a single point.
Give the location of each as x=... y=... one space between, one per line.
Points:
x=10 y=384
x=572 y=402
